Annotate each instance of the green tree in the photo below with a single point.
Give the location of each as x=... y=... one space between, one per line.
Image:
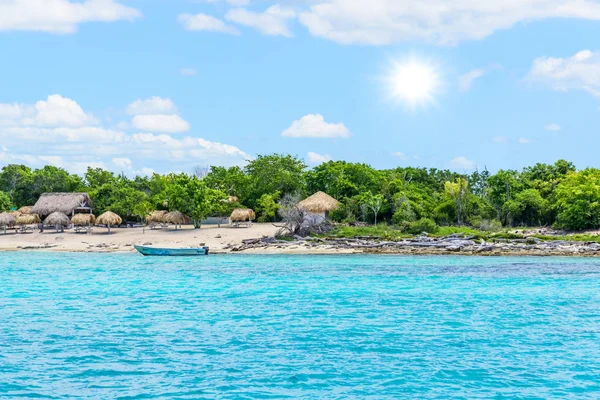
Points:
x=267 y=206
x=5 y=202
x=578 y=200
x=16 y=181
x=457 y=191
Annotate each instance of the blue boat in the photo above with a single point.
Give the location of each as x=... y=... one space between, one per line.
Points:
x=156 y=251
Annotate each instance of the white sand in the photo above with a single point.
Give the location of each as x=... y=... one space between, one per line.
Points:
x=123 y=239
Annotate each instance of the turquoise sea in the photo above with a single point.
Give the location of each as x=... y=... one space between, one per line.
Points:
x=129 y=327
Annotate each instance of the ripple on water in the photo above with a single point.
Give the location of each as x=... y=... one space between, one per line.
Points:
x=128 y=327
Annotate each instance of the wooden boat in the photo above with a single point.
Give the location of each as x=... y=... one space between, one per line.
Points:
x=156 y=251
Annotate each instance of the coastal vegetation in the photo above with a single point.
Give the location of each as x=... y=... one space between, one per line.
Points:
x=405 y=200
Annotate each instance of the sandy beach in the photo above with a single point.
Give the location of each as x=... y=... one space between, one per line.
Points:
x=218 y=239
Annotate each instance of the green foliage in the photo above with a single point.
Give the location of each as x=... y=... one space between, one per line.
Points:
x=541 y=195
x=267 y=206
x=5 y=202
x=424 y=225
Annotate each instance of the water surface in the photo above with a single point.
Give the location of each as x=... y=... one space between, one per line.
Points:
x=128 y=327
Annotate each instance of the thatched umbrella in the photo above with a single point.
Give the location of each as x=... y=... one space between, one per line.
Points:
x=7 y=220
x=25 y=210
x=319 y=203
x=109 y=218
x=83 y=219
x=157 y=216
x=177 y=218
x=57 y=219
x=15 y=214
x=28 y=219
x=242 y=215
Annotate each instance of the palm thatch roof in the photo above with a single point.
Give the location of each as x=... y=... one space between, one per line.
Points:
x=242 y=214
x=15 y=214
x=25 y=209
x=176 y=217
x=319 y=202
x=57 y=218
x=28 y=219
x=65 y=203
x=83 y=219
x=6 y=219
x=157 y=216
x=109 y=218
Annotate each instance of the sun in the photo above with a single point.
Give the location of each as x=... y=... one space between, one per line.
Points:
x=415 y=83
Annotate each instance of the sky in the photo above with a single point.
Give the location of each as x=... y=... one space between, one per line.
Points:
x=143 y=86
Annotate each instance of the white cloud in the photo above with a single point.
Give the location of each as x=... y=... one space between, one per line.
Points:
x=188 y=71
x=314 y=126
x=579 y=72
x=523 y=140
x=55 y=111
x=401 y=155
x=153 y=105
x=380 y=22
x=60 y=16
x=316 y=158
x=123 y=162
x=500 y=139
x=465 y=81
x=169 y=123
x=75 y=147
x=462 y=163
x=271 y=22
x=553 y=127
x=204 y=22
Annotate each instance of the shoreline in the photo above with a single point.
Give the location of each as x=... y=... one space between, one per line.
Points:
x=259 y=240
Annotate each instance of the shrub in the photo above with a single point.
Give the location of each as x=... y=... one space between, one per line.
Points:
x=423 y=225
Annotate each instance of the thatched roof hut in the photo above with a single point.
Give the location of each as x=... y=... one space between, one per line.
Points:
x=7 y=220
x=157 y=216
x=177 y=218
x=83 y=219
x=15 y=214
x=58 y=219
x=65 y=203
x=242 y=214
x=319 y=203
x=25 y=210
x=28 y=219
x=109 y=218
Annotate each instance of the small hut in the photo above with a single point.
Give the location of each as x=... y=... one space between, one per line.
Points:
x=66 y=203
x=242 y=215
x=83 y=219
x=317 y=207
x=109 y=218
x=7 y=221
x=15 y=214
x=58 y=220
x=25 y=210
x=177 y=218
x=157 y=216
x=25 y=220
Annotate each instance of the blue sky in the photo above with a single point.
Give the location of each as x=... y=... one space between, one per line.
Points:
x=154 y=85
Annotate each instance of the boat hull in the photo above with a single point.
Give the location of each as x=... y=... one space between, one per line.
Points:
x=154 y=251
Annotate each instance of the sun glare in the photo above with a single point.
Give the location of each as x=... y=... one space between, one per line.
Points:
x=414 y=83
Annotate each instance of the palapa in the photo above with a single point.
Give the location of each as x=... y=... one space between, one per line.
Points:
x=319 y=202
x=242 y=215
x=109 y=218
x=65 y=203
x=58 y=219
x=7 y=221
x=28 y=219
x=177 y=218
x=83 y=219
x=157 y=216
x=25 y=210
